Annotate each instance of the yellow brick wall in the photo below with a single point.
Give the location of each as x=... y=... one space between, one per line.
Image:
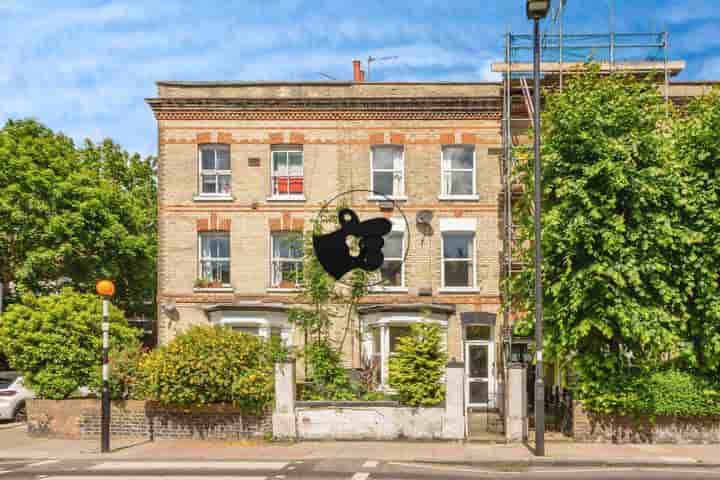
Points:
x=336 y=159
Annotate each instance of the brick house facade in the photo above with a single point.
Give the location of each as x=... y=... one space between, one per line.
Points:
x=244 y=166
x=241 y=163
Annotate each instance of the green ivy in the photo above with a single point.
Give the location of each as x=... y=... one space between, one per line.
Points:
x=631 y=239
x=417 y=366
x=664 y=393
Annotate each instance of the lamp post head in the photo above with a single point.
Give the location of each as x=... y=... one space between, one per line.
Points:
x=537 y=9
x=105 y=288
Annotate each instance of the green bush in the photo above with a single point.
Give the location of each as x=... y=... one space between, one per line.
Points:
x=417 y=367
x=210 y=365
x=124 y=365
x=329 y=380
x=56 y=340
x=663 y=393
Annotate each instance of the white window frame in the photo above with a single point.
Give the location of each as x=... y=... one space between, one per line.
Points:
x=202 y=173
x=444 y=172
x=279 y=260
x=473 y=258
x=395 y=171
x=287 y=149
x=263 y=321
x=383 y=322
x=202 y=259
x=398 y=227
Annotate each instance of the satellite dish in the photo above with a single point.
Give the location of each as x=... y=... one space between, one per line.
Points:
x=424 y=217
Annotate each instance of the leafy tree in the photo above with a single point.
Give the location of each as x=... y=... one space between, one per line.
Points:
x=208 y=365
x=630 y=231
x=56 y=340
x=323 y=300
x=73 y=215
x=416 y=369
x=696 y=146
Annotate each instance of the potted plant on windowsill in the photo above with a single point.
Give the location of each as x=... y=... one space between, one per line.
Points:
x=200 y=283
x=214 y=284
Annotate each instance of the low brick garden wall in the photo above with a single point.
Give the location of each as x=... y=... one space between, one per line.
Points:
x=590 y=427
x=81 y=419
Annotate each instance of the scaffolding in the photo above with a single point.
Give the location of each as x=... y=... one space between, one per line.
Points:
x=561 y=53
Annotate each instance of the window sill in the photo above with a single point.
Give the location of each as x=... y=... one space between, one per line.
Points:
x=388 y=290
x=214 y=290
x=458 y=197
x=376 y=198
x=459 y=290
x=286 y=198
x=213 y=198
x=282 y=290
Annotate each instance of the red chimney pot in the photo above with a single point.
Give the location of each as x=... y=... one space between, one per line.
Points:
x=356 y=71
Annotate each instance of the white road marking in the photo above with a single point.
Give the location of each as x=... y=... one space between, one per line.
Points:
x=678 y=459
x=44 y=462
x=370 y=464
x=551 y=470
x=360 y=476
x=189 y=466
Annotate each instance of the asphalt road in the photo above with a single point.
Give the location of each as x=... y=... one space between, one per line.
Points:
x=317 y=470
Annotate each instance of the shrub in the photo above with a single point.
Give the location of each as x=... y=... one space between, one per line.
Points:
x=663 y=393
x=416 y=368
x=329 y=380
x=56 y=340
x=210 y=365
x=124 y=365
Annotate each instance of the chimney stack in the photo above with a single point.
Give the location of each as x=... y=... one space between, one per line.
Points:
x=357 y=73
x=362 y=75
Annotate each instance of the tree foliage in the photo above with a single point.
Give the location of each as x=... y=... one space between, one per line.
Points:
x=630 y=231
x=56 y=340
x=416 y=369
x=323 y=301
x=73 y=215
x=209 y=365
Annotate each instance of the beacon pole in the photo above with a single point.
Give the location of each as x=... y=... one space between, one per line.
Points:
x=106 y=289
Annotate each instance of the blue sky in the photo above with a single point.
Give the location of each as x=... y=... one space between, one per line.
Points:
x=84 y=68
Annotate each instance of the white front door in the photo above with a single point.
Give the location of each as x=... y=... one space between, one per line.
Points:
x=480 y=367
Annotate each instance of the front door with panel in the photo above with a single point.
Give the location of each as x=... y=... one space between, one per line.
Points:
x=479 y=366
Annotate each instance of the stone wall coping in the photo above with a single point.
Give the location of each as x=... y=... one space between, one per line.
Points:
x=347 y=403
x=141 y=405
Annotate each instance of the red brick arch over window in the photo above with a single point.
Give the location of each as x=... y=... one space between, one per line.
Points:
x=213 y=224
x=286 y=223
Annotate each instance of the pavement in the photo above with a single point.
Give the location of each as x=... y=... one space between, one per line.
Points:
x=16 y=444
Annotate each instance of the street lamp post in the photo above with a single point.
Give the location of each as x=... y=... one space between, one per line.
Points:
x=536 y=11
x=106 y=289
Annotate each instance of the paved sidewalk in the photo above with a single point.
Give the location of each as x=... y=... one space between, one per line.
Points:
x=15 y=444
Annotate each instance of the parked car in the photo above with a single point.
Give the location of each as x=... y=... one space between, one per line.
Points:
x=12 y=401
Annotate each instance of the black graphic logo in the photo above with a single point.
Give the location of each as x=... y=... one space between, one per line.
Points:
x=333 y=251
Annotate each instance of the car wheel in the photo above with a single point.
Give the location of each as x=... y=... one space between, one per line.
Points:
x=20 y=414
